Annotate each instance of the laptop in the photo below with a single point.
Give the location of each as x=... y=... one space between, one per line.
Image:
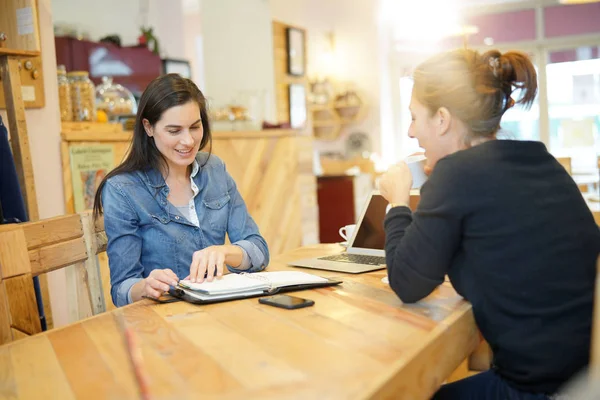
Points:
x=365 y=251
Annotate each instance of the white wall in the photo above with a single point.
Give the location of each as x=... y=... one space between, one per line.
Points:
x=238 y=51
x=123 y=17
x=358 y=52
x=43 y=126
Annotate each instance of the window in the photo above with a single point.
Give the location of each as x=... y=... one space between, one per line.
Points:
x=574 y=105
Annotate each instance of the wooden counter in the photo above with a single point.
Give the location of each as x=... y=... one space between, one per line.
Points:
x=358 y=341
x=272 y=169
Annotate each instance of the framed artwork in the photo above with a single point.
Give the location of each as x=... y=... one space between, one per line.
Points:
x=173 y=66
x=295 y=51
x=89 y=165
x=297 y=95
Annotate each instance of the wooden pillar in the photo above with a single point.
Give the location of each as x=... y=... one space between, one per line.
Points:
x=15 y=109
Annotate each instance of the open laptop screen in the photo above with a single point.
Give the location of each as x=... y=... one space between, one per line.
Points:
x=371 y=234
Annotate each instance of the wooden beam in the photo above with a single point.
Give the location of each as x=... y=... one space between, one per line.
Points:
x=53 y=230
x=18 y=53
x=5 y=330
x=92 y=279
x=23 y=305
x=57 y=256
x=15 y=110
x=13 y=252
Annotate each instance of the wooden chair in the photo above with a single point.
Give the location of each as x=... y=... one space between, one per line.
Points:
x=566 y=163
x=34 y=248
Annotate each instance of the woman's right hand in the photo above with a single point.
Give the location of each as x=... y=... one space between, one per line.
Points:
x=156 y=283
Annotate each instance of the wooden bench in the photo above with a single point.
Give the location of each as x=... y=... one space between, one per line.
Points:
x=34 y=248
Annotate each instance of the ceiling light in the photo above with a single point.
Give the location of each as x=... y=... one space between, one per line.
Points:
x=578 y=1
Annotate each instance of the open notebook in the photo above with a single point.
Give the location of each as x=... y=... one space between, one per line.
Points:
x=244 y=285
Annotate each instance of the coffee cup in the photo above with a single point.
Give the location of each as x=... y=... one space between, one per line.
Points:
x=416 y=165
x=346 y=231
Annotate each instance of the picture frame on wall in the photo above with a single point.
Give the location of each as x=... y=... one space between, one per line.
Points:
x=295 y=51
x=298 y=112
x=174 y=66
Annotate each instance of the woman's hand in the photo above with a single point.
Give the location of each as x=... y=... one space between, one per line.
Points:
x=395 y=184
x=154 y=285
x=211 y=261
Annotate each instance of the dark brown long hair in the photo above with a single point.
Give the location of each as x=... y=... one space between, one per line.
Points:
x=476 y=88
x=162 y=93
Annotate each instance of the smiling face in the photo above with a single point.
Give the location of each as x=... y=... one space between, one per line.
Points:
x=427 y=129
x=178 y=134
x=438 y=133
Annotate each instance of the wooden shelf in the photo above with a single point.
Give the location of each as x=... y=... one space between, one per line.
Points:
x=330 y=132
x=320 y=107
x=325 y=123
x=329 y=119
x=103 y=132
x=18 y=53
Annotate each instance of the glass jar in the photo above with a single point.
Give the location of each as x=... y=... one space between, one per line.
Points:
x=83 y=97
x=114 y=99
x=64 y=94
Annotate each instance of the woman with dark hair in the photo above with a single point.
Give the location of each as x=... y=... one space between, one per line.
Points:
x=168 y=206
x=502 y=218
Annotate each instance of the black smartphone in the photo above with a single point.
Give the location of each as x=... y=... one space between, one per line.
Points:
x=285 y=301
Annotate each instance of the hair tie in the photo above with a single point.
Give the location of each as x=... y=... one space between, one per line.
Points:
x=494 y=64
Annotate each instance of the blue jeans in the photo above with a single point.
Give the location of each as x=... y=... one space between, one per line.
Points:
x=484 y=386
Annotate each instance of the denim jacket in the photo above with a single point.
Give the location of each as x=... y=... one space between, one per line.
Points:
x=146 y=232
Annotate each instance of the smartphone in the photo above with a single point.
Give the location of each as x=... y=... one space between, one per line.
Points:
x=285 y=301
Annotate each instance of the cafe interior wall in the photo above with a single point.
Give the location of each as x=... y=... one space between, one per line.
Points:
x=97 y=19
x=237 y=41
x=359 y=57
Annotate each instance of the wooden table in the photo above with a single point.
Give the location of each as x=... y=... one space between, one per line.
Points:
x=593 y=202
x=357 y=341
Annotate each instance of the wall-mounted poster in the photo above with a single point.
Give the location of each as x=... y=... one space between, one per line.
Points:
x=297 y=95
x=89 y=165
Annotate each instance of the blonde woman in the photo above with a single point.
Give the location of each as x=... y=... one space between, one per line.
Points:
x=502 y=219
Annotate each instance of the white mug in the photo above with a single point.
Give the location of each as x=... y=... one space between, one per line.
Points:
x=346 y=231
x=416 y=165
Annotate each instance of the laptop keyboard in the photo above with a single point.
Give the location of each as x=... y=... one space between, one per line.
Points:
x=355 y=259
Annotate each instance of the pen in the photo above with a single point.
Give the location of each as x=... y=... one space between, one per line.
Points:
x=135 y=356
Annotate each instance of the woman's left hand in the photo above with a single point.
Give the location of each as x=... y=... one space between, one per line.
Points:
x=211 y=261
x=395 y=184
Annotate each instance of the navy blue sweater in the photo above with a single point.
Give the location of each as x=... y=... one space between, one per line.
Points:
x=510 y=228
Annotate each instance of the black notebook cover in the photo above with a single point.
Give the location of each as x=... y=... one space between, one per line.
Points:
x=177 y=294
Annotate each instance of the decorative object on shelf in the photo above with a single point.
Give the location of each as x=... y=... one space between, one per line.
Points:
x=83 y=96
x=113 y=39
x=348 y=105
x=64 y=94
x=297 y=95
x=173 y=66
x=320 y=91
x=147 y=38
x=2 y=39
x=238 y=113
x=295 y=51
x=114 y=99
x=358 y=144
x=330 y=118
